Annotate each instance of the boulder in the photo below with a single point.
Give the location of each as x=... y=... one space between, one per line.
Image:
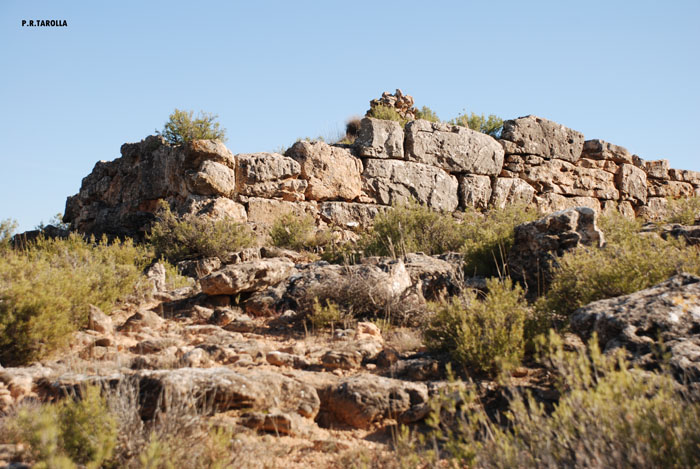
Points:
x=601 y=150
x=216 y=208
x=654 y=210
x=390 y=182
x=674 y=189
x=689 y=233
x=332 y=172
x=436 y=278
x=534 y=135
x=453 y=148
x=474 y=191
x=562 y=177
x=99 y=321
x=605 y=165
x=269 y=175
x=247 y=276
x=632 y=183
x=350 y=214
x=684 y=175
x=667 y=313
x=657 y=169
x=265 y=212
x=379 y=138
x=213 y=179
x=341 y=360
x=508 y=191
x=537 y=244
x=363 y=400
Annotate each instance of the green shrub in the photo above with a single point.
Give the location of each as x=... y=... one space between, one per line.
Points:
x=488 y=237
x=491 y=125
x=46 y=290
x=7 y=230
x=412 y=227
x=484 y=335
x=388 y=113
x=81 y=431
x=195 y=236
x=325 y=316
x=685 y=210
x=608 y=415
x=629 y=262
x=182 y=127
x=427 y=114
x=294 y=232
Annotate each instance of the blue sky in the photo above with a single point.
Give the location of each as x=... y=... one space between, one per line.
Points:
x=623 y=71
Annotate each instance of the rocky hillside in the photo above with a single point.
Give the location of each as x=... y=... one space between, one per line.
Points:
x=269 y=357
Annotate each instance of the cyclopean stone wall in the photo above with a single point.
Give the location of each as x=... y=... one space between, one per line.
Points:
x=443 y=166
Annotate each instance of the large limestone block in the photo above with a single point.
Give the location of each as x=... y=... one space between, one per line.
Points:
x=379 y=138
x=508 y=191
x=657 y=169
x=562 y=177
x=605 y=165
x=393 y=181
x=269 y=175
x=684 y=175
x=453 y=148
x=602 y=150
x=632 y=182
x=655 y=209
x=537 y=136
x=198 y=151
x=266 y=211
x=551 y=202
x=350 y=214
x=214 y=207
x=332 y=172
x=474 y=191
x=213 y=179
x=247 y=276
x=673 y=189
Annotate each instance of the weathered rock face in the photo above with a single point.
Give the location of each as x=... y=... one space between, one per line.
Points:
x=532 y=135
x=453 y=148
x=380 y=139
x=269 y=175
x=562 y=177
x=511 y=191
x=632 y=182
x=601 y=150
x=537 y=244
x=349 y=214
x=668 y=312
x=392 y=181
x=332 y=172
x=247 y=276
x=474 y=191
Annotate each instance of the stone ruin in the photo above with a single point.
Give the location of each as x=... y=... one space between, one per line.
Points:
x=443 y=166
x=403 y=104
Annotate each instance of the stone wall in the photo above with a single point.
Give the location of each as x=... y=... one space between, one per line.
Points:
x=443 y=166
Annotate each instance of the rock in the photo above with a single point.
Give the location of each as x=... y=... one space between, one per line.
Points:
x=601 y=150
x=402 y=103
x=657 y=169
x=434 y=277
x=341 y=360
x=265 y=212
x=632 y=183
x=415 y=369
x=278 y=423
x=216 y=208
x=247 y=276
x=537 y=136
x=269 y=175
x=120 y=197
x=537 y=244
x=454 y=148
x=654 y=210
x=605 y=165
x=380 y=138
x=198 y=268
x=278 y=358
x=508 y=191
x=368 y=330
x=474 y=191
x=387 y=358
x=156 y=275
x=332 y=172
x=674 y=189
x=691 y=234
x=99 y=321
x=240 y=323
x=551 y=202
x=141 y=320
x=391 y=182
x=349 y=214
x=684 y=175
x=196 y=358
x=667 y=313
x=213 y=179
x=564 y=178
x=362 y=400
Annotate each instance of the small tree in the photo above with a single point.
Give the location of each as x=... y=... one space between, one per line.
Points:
x=491 y=125
x=182 y=127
